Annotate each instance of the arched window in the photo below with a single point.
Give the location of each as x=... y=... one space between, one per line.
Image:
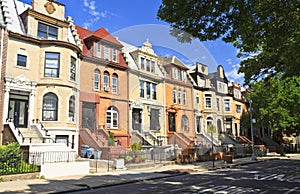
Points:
x=112 y=117
x=97 y=79
x=114 y=83
x=106 y=81
x=72 y=108
x=185 y=123
x=209 y=121
x=50 y=107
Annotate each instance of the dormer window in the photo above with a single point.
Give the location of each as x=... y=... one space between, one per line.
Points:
x=106 y=52
x=98 y=50
x=46 y=31
x=114 y=55
x=152 y=67
x=148 y=65
x=142 y=63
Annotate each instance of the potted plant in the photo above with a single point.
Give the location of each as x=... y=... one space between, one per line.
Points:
x=135 y=149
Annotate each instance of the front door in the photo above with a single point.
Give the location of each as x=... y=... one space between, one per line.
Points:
x=172 y=122
x=18 y=110
x=89 y=116
x=137 y=119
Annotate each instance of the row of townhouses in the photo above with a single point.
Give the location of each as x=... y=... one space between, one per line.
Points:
x=63 y=86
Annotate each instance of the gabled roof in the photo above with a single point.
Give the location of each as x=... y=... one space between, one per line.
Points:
x=101 y=34
x=175 y=61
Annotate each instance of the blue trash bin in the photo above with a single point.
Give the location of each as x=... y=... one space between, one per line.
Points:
x=90 y=152
x=83 y=149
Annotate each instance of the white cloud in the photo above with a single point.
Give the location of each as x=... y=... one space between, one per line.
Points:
x=94 y=14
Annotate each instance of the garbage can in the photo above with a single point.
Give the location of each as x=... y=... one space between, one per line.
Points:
x=83 y=149
x=90 y=152
x=97 y=154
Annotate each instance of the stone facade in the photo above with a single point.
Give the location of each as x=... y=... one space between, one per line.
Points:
x=42 y=72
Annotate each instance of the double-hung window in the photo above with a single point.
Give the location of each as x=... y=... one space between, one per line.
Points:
x=115 y=84
x=72 y=108
x=106 y=81
x=184 y=98
x=73 y=69
x=153 y=91
x=174 y=96
x=21 y=60
x=227 y=105
x=179 y=97
x=97 y=79
x=112 y=118
x=142 y=89
x=208 y=101
x=47 y=31
x=50 y=107
x=142 y=63
x=114 y=56
x=98 y=49
x=52 y=64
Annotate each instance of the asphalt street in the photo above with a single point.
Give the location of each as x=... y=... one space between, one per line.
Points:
x=274 y=176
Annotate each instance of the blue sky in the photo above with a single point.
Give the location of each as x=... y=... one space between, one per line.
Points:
x=134 y=21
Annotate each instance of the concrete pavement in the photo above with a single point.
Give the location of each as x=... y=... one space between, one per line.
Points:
x=104 y=178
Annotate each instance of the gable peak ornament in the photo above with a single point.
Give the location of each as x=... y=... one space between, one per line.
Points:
x=50 y=7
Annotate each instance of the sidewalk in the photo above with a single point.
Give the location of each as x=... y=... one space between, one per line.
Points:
x=104 y=178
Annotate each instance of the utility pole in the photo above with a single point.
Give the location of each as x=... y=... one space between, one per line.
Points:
x=251 y=128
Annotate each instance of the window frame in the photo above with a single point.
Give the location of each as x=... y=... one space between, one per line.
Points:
x=114 y=84
x=106 y=82
x=114 y=55
x=208 y=97
x=73 y=69
x=21 y=63
x=112 y=114
x=185 y=123
x=46 y=34
x=107 y=55
x=97 y=79
x=174 y=96
x=142 y=89
x=238 y=110
x=184 y=98
x=52 y=68
x=227 y=107
x=99 y=50
x=53 y=101
x=71 y=114
x=179 y=97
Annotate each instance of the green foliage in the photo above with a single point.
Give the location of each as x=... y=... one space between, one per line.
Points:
x=11 y=160
x=211 y=129
x=111 y=139
x=128 y=158
x=135 y=147
x=276 y=104
x=267 y=33
x=10 y=157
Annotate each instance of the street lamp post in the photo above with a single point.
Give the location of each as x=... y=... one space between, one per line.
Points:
x=253 y=157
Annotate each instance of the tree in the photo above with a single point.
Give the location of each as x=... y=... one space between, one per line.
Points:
x=267 y=33
x=276 y=105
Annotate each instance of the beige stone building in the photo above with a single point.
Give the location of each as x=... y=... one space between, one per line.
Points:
x=146 y=95
x=41 y=79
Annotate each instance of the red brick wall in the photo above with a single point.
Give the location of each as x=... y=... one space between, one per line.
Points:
x=3 y=72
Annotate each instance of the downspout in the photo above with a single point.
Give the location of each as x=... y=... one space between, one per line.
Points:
x=1 y=50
